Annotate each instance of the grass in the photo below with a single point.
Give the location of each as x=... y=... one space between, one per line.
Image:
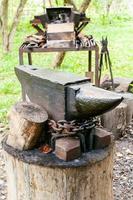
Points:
x=120 y=35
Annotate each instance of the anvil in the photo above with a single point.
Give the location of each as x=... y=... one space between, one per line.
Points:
x=64 y=95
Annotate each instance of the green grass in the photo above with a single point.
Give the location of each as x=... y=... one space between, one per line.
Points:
x=120 y=35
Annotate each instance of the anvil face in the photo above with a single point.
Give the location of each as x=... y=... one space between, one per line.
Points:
x=64 y=95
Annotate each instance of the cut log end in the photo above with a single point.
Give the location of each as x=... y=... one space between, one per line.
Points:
x=31 y=112
x=26 y=122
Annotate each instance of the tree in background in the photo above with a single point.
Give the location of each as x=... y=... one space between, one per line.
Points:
x=108 y=6
x=8 y=32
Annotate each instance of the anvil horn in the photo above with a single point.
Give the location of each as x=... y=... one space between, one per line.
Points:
x=92 y=101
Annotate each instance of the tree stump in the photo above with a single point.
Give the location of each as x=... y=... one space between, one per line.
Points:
x=124 y=84
x=115 y=120
x=26 y=121
x=128 y=100
x=32 y=175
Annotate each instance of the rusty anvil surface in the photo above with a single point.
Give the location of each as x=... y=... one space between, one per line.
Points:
x=64 y=95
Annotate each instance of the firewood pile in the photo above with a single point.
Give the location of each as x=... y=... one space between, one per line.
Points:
x=35 y=41
x=39 y=41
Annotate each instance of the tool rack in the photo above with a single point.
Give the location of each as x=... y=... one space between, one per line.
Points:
x=95 y=48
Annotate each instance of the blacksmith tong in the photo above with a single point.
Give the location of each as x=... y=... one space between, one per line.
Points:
x=104 y=56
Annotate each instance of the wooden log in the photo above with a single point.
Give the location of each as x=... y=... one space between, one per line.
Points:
x=115 y=120
x=128 y=100
x=90 y=182
x=26 y=121
x=124 y=84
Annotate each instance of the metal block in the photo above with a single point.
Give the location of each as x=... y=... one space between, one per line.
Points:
x=67 y=149
x=102 y=138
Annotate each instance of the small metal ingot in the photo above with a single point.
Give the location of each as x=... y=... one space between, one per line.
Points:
x=67 y=149
x=102 y=138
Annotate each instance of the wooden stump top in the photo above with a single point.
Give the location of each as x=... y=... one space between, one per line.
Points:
x=50 y=160
x=31 y=112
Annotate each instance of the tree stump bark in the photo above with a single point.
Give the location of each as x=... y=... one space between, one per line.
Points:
x=115 y=120
x=128 y=100
x=26 y=121
x=91 y=179
x=124 y=84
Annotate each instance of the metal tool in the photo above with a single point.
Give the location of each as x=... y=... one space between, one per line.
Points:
x=104 y=56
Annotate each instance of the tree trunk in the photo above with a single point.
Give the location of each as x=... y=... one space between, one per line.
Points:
x=8 y=34
x=59 y=59
x=15 y=23
x=71 y=2
x=32 y=181
x=60 y=56
x=84 y=6
x=4 y=23
x=108 y=6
